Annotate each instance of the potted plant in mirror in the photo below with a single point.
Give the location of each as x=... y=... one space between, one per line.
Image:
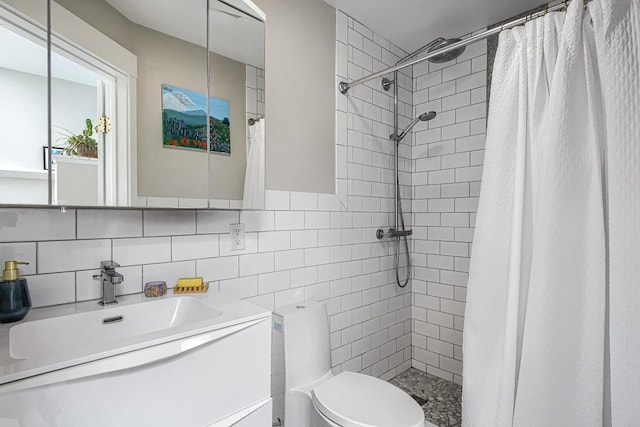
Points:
x=82 y=144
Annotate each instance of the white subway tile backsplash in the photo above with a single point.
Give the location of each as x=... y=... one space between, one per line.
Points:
x=256 y=263
x=286 y=260
x=270 y=241
x=316 y=256
x=241 y=287
x=304 y=239
x=289 y=220
x=304 y=276
x=216 y=221
x=217 y=268
x=71 y=255
x=274 y=282
x=99 y=224
x=52 y=289
x=25 y=225
x=25 y=252
x=317 y=220
x=145 y=250
x=169 y=223
x=169 y=272
x=328 y=272
x=194 y=247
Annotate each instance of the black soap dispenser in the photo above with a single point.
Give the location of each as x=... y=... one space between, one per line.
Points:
x=15 y=301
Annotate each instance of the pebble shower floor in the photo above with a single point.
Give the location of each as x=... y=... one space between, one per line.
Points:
x=441 y=400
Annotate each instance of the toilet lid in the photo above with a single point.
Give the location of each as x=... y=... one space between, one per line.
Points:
x=358 y=400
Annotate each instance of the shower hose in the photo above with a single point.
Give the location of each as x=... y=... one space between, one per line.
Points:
x=401 y=283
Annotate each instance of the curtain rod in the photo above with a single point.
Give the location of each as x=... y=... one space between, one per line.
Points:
x=345 y=86
x=253 y=121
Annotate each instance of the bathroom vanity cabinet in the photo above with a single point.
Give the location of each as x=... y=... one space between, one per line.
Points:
x=177 y=361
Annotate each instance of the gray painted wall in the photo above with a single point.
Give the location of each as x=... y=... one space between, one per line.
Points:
x=300 y=95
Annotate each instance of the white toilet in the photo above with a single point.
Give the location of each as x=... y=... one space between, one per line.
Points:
x=314 y=397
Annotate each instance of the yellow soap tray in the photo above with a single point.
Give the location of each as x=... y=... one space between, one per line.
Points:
x=193 y=285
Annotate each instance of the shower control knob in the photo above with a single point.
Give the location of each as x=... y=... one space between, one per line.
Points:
x=380 y=233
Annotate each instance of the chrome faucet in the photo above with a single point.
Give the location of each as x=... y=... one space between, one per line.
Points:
x=109 y=279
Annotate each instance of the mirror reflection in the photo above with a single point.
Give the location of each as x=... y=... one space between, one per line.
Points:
x=236 y=44
x=143 y=159
x=23 y=112
x=129 y=105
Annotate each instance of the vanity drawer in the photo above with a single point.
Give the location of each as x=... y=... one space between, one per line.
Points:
x=200 y=386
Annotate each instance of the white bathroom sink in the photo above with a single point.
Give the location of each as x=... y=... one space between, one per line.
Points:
x=52 y=339
x=102 y=328
x=64 y=364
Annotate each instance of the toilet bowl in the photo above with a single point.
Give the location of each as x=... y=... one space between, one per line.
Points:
x=314 y=397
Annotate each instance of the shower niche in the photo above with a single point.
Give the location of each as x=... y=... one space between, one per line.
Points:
x=150 y=102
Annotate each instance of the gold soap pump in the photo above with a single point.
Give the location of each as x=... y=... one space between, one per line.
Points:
x=10 y=271
x=15 y=301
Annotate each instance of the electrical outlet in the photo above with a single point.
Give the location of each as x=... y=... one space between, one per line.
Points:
x=236 y=236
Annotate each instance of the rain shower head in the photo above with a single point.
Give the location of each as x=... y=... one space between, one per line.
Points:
x=424 y=117
x=448 y=56
x=432 y=46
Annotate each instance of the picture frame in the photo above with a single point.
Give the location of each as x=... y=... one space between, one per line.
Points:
x=55 y=151
x=184 y=120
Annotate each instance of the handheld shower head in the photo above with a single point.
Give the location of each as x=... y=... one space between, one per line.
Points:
x=424 y=117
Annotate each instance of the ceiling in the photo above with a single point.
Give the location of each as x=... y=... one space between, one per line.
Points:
x=19 y=53
x=411 y=24
x=234 y=34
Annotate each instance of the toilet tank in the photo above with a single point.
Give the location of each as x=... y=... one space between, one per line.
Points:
x=307 y=354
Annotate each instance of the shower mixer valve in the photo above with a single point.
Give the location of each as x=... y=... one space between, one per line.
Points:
x=381 y=234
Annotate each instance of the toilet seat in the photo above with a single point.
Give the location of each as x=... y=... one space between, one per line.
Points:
x=358 y=400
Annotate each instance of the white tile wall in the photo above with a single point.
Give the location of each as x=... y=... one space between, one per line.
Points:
x=447 y=169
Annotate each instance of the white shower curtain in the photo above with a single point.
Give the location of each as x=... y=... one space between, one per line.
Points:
x=535 y=337
x=617 y=36
x=254 y=187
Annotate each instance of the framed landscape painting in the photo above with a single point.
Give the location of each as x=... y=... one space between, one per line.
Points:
x=184 y=120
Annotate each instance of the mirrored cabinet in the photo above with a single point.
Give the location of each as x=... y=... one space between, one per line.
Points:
x=24 y=178
x=144 y=104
